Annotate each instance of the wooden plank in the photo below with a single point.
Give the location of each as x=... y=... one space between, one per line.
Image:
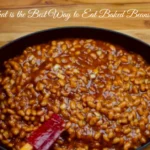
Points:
x=144 y=35
x=10 y=25
x=29 y=3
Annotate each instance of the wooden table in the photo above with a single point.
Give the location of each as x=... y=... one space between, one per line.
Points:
x=12 y=28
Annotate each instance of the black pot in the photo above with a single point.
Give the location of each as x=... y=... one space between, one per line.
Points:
x=129 y=43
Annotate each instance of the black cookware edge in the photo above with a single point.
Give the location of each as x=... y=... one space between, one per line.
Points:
x=17 y=46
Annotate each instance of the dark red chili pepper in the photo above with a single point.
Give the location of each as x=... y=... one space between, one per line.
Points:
x=45 y=135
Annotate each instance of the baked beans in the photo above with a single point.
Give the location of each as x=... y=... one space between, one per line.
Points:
x=101 y=91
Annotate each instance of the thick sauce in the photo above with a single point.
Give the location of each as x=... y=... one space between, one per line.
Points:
x=100 y=90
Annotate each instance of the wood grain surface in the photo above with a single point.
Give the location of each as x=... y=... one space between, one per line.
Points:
x=12 y=28
x=31 y=3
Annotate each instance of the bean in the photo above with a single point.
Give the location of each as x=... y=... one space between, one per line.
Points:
x=105 y=148
x=127 y=130
x=126 y=70
x=33 y=112
x=80 y=106
x=6 y=134
x=68 y=125
x=71 y=131
x=27 y=118
x=63 y=106
x=93 y=121
x=21 y=113
x=110 y=135
x=99 y=123
x=56 y=67
x=64 y=47
x=98 y=106
x=61 y=82
x=10 y=111
x=44 y=102
x=111 y=115
x=81 y=123
x=137 y=102
x=127 y=146
x=117 y=109
x=91 y=104
x=80 y=116
x=142 y=125
x=140 y=110
x=39 y=86
x=97 y=135
x=54 y=43
x=143 y=140
x=60 y=76
x=104 y=110
x=15 y=131
x=28 y=111
x=116 y=140
x=55 y=109
x=42 y=119
x=40 y=112
x=89 y=98
x=32 y=118
x=105 y=137
x=123 y=104
x=65 y=113
x=15 y=65
x=93 y=55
